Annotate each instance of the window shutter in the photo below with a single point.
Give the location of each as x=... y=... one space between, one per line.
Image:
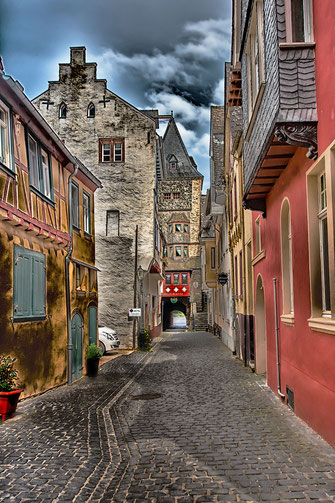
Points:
x=22 y=283
x=38 y=290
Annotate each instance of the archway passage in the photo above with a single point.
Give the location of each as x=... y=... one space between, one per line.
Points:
x=178 y=320
x=175 y=314
x=260 y=349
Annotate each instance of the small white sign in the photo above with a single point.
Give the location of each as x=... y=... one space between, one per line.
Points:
x=134 y=312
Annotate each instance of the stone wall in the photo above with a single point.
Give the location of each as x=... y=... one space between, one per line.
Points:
x=128 y=187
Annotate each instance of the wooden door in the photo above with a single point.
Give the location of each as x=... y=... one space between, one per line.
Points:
x=92 y=325
x=77 y=346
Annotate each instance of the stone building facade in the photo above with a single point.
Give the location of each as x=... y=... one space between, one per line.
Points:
x=117 y=142
x=179 y=198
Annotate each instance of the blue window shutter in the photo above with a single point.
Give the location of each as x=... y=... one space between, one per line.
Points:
x=39 y=297
x=22 y=298
x=29 y=290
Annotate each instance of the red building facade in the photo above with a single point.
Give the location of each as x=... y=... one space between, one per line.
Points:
x=289 y=163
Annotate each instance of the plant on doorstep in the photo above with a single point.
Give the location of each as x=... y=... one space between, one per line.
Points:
x=144 y=341
x=93 y=355
x=9 y=393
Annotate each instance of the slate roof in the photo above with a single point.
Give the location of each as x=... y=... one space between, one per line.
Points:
x=178 y=217
x=173 y=145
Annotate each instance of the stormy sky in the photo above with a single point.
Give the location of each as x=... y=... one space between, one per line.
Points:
x=165 y=54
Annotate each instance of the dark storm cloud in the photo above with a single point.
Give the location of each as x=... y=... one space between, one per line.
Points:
x=166 y=54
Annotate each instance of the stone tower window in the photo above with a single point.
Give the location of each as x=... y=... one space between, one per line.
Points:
x=62 y=111
x=173 y=161
x=91 y=110
x=113 y=223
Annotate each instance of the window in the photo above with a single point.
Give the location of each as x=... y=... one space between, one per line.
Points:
x=258 y=243
x=29 y=287
x=113 y=223
x=176 y=195
x=176 y=280
x=168 y=279
x=178 y=251
x=185 y=228
x=286 y=256
x=75 y=204
x=324 y=256
x=5 y=137
x=299 y=21
x=321 y=240
x=236 y=276
x=171 y=251
x=255 y=54
x=91 y=110
x=167 y=195
x=170 y=228
x=212 y=257
x=241 y=275
x=165 y=253
x=184 y=279
x=39 y=167
x=93 y=280
x=87 y=212
x=185 y=251
x=111 y=150
x=178 y=227
x=235 y=198
x=80 y=278
x=62 y=111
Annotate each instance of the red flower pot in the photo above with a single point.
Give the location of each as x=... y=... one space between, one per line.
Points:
x=8 y=403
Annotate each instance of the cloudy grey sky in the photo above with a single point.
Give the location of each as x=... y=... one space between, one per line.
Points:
x=165 y=54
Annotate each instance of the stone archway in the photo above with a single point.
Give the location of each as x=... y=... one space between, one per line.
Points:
x=260 y=343
x=168 y=307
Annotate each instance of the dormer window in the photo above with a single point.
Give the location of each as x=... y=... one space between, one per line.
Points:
x=62 y=111
x=91 y=110
x=173 y=161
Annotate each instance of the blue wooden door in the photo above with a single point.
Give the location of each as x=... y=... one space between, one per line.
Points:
x=77 y=346
x=92 y=325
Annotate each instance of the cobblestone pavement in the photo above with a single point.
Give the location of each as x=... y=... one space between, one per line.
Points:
x=215 y=433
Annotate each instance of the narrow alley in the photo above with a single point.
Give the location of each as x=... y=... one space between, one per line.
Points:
x=185 y=423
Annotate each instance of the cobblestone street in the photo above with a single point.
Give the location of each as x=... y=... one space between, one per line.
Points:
x=208 y=430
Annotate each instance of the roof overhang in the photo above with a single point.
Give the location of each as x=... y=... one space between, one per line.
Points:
x=282 y=146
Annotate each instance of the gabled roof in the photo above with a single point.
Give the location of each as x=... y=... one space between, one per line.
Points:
x=173 y=145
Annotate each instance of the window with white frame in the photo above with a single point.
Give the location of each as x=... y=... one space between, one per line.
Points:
x=87 y=212
x=324 y=255
x=258 y=242
x=111 y=150
x=255 y=54
x=39 y=163
x=321 y=240
x=299 y=21
x=5 y=137
x=286 y=256
x=75 y=204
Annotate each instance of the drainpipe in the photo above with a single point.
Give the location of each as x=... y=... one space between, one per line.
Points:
x=277 y=342
x=67 y=281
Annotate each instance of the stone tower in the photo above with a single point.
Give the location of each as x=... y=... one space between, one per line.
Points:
x=179 y=195
x=116 y=142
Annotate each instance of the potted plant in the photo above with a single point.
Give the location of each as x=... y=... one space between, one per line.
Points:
x=9 y=393
x=93 y=355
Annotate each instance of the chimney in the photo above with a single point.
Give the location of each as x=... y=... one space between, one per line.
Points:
x=78 y=55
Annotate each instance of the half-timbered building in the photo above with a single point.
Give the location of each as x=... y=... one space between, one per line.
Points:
x=48 y=308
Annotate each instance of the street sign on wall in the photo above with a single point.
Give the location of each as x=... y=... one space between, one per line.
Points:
x=134 y=312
